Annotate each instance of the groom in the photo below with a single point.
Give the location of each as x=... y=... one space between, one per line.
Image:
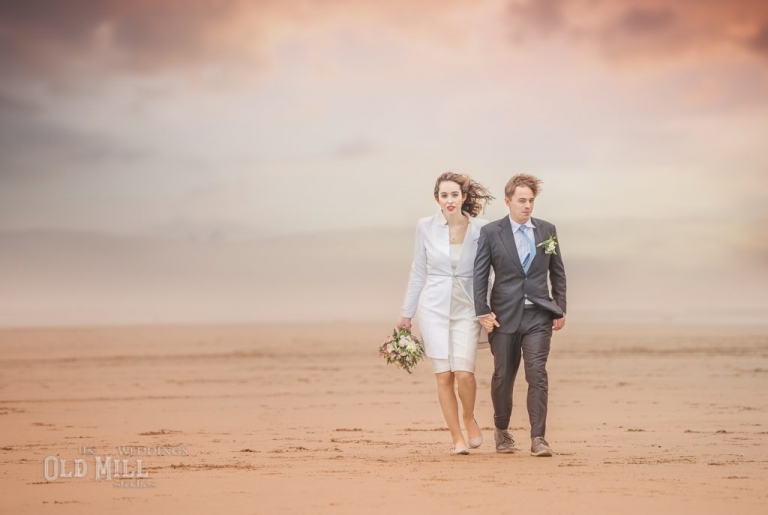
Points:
x=524 y=252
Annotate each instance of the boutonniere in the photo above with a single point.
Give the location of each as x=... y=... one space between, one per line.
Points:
x=549 y=245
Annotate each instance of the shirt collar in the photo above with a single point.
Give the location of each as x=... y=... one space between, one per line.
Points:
x=516 y=226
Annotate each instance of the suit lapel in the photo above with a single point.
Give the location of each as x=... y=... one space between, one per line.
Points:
x=509 y=242
x=538 y=237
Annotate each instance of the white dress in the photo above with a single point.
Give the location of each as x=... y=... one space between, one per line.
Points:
x=433 y=280
x=463 y=327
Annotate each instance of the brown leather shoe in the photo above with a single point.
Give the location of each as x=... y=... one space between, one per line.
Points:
x=504 y=441
x=540 y=447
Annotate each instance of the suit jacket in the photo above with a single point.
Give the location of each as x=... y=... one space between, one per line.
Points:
x=512 y=286
x=431 y=280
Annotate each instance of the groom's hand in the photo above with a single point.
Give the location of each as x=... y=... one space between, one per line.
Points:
x=558 y=323
x=489 y=322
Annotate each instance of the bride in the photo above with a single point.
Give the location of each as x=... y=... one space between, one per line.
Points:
x=440 y=287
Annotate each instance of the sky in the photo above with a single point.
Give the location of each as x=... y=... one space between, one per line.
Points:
x=287 y=122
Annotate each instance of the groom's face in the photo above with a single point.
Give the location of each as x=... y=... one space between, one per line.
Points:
x=521 y=204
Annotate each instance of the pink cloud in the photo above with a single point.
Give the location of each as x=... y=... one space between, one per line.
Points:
x=45 y=38
x=41 y=37
x=651 y=30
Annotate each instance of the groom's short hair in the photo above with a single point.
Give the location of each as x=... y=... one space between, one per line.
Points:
x=522 y=179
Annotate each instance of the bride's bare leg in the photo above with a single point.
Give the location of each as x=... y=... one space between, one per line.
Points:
x=450 y=407
x=467 y=394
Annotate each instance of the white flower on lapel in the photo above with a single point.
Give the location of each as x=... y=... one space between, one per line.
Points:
x=549 y=245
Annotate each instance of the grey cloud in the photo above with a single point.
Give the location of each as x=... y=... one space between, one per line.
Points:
x=544 y=15
x=31 y=148
x=355 y=149
x=67 y=21
x=36 y=33
x=38 y=37
x=11 y=104
x=637 y=20
x=760 y=41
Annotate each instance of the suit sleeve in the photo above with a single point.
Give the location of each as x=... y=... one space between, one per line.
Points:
x=557 y=275
x=418 y=277
x=482 y=274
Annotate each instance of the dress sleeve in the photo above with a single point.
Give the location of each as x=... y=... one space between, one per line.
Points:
x=418 y=277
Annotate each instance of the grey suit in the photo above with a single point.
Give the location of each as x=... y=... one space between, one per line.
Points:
x=522 y=331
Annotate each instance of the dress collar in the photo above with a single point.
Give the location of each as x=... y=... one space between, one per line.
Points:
x=441 y=217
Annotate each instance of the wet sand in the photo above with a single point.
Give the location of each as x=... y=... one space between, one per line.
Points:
x=308 y=419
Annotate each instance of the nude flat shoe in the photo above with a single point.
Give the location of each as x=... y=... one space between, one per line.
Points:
x=477 y=441
x=459 y=452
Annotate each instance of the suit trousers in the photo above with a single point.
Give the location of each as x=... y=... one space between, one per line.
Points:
x=532 y=340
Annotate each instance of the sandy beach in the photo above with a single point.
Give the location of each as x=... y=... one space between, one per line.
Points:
x=308 y=419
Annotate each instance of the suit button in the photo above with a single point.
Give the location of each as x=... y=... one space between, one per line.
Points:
x=526 y=295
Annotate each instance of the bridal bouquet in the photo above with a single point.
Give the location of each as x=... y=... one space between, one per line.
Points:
x=403 y=349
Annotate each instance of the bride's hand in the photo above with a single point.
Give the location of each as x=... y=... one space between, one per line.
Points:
x=404 y=323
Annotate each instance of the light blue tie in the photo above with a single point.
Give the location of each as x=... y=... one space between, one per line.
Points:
x=531 y=250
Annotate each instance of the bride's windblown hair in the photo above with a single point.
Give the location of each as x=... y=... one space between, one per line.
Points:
x=477 y=195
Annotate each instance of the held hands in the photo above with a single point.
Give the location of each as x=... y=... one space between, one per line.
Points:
x=489 y=322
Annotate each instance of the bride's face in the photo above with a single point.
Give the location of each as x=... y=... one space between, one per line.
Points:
x=450 y=198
